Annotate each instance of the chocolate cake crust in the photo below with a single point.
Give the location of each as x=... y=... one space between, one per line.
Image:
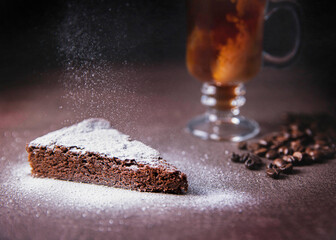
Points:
x=69 y=154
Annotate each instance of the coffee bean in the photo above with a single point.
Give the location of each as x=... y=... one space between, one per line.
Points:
x=269 y=138
x=297 y=146
x=294 y=144
x=316 y=146
x=253 y=162
x=250 y=164
x=328 y=152
x=271 y=154
x=286 y=135
x=298 y=156
x=273 y=173
x=235 y=157
x=308 y=132
x=287 y=168
x=271 y=165
x=253 y=146
x=321 y=142
x=256 y=159
x=300 y=149
x=297 y=134
x=276 y=145
x=289 y=159
x=302 y=158
x=309 y=149
x=284 y=150
x=316 y=155
x=244 y=157
x=294 y=127
x=242 y=145
x=261 y=152
x=279 y=162
x=282 y=139
x=288 y=151
x=263 y=143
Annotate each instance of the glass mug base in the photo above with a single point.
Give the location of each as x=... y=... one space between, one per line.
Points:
x=221 y=126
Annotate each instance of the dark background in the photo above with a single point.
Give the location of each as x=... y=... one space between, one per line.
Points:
x=37 y=36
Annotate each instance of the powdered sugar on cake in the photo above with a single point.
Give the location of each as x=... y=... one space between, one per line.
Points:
x=97 y=136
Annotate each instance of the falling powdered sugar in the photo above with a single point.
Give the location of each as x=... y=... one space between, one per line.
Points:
x=94 y=47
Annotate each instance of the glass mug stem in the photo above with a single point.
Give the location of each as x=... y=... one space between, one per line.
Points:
x=223 y=98
x=222 y=121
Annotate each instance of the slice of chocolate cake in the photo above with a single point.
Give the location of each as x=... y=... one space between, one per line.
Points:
x=93 y=152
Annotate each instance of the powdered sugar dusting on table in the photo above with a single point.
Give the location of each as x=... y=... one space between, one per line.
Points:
x=206 y=192
x=209 y=187
x=96 y=136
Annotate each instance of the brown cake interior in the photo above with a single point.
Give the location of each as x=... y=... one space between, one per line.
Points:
x=60 y=163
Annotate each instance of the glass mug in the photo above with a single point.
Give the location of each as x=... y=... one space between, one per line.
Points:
x=224 y=50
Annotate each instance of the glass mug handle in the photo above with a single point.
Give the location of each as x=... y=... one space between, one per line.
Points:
x=293 y=8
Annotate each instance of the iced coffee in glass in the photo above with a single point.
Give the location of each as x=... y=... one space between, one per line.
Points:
x=224 y=50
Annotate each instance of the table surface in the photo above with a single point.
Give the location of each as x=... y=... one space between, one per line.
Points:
x=153 y=104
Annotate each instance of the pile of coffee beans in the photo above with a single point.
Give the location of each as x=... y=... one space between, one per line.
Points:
x=303 y=140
